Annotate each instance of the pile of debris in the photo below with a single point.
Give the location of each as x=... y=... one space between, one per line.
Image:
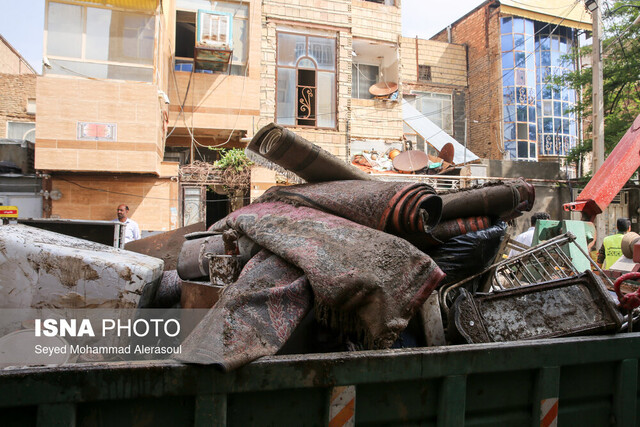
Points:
x=343 y=262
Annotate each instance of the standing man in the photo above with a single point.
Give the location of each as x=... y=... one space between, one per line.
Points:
x=131 y=231
x=527 y=237
x=611 y=249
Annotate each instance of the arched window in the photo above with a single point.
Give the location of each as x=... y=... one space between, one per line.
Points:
x=306 y=80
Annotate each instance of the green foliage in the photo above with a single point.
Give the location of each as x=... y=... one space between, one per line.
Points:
x=621 y=77
x=233 y=158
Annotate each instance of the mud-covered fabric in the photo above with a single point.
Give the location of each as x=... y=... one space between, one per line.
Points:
x=377 y=204
x=254 y=317
x=504 y=200
x=363 y=281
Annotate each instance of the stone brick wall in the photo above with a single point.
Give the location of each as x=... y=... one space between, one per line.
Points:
x=375 y=21
x=480 y=32
x=376 y=119
x=336 y=13
x=345 y=19
x=15 y=90
x=448 y=61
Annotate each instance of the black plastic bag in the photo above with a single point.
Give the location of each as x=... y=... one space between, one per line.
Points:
x=469 y=254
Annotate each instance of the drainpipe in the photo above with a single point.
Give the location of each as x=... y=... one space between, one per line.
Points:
x=449 y=34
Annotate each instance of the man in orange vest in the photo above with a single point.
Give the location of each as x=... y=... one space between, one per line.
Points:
x=611 y=249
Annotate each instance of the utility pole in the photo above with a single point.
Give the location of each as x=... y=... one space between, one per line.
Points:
x=598 y=105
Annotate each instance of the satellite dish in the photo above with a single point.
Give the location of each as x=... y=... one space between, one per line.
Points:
x=411 y=161
x=447 y=152
x=383 y=88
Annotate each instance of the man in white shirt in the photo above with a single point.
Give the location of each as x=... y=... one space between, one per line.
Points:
x=131 y=231
x=527 y=237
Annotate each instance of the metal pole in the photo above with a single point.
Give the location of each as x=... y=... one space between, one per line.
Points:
x=598 y=109
x=465 y=138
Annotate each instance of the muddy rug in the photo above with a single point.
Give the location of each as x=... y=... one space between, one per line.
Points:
x=360 y=280
x=395 y=207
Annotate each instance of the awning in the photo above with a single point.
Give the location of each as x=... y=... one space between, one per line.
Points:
x=146 y=5
x=433 y=134
x=567 y=13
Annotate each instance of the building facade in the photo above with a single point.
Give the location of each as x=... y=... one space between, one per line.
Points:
x=18 y=86
x=19 y=186
x=100 y=134
x=135 y=94
x=516 y=112
x=435 y=82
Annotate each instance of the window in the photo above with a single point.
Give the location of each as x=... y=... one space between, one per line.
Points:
x=362 y=77
x=21 y=130
x=31 y=106
x=519 y=88
x=557 y=124
x=386 y=2
x=424 y=73
x=437 y=107
x=99 y=43
x=186 y=32
x=306 y=80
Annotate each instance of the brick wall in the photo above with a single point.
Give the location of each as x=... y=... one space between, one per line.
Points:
x=153 y=202
x=16 y=89
x=448 y=61
x=336 y=13
x=215 y=101
x=296 y=17
x=376 y=119
x=134 y=107
x=480 y=32
x=10 y=60
x=376 y=21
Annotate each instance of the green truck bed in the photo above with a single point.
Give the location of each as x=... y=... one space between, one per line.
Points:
x=584 y=381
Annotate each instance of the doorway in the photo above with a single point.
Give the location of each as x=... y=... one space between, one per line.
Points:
x=218 y=206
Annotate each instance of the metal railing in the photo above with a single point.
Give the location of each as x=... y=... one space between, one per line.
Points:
x=541 y=263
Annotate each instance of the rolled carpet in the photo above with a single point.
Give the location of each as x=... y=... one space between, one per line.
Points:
x=295 y=154
x=505 y=200
x=395 y=207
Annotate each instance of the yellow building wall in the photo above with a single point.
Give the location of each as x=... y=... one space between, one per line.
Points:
x=335 y=13
x=220 y=101
x=216 y=101
x=448 y=61
x=134 y=107
x=376 y=21
x=376 y=119
x=152 y=201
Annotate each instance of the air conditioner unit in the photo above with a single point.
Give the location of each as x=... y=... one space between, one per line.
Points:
x=214 y=30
